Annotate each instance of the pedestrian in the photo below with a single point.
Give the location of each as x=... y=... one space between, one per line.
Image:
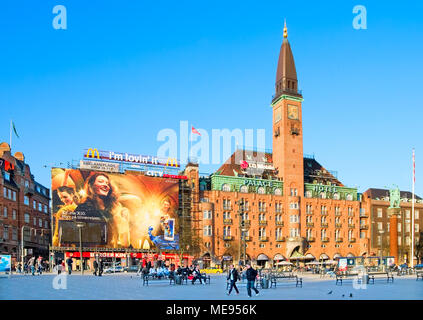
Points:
x=233 y=278
x=59 y=267
x=31 y=265
x=69 y=262
x=100 y=267
x=95 y=264
x=251 y=279
x=149 y=265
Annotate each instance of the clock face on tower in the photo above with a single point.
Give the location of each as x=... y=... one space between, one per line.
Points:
x=292 y=112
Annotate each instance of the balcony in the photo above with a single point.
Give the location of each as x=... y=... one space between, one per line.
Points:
x=351 y=226
x=246 y=238
x=311 y=239
x=310 y=224
x=247 y=223
x=280 y=239
x=324 y=224
x=325 y=240
x=352 y=240
x=227 y=221
x=279 y=223
x=262 y=223
x=364 y=227
x=338 y=225
x=309 y=212
x=339 y=240
x=324 y=213
x=227 y=238
x=338 y=214
x=263 y=239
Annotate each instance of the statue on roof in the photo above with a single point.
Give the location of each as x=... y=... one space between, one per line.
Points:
x=394 y=198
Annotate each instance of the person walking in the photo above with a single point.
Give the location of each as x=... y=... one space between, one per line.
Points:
x=100 y=267
x=251 y=279
x=69 y=262
x=95 y=264
x=31 y=265
x=233 y=278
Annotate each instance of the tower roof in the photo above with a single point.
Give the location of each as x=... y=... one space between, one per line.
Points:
x=286 y=74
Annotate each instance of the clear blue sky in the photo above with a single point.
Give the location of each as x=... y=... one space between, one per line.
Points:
x=124 y=70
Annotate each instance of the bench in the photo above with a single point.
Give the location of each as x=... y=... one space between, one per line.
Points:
x=346 y=277
x=146 y=278
x=389 y=276
x=419 y=275
x=275 y=279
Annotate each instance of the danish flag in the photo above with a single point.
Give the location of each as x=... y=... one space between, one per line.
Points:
x=193 y=130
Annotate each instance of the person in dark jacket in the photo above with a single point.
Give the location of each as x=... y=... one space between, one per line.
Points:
x=100 y=267
x=251 y=279
x=95 y=267
x=69 y=262
x=197 y=275
x=233 y=278
x=149 y=265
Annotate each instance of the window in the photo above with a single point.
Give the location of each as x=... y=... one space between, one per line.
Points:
x=416 y=214
x=407 y=227
x=226 y=187
x=388 y=226
x=40 y=223
x=294 y=219
x=262 y=217
x=379 y=212
x=14 y=214
x=226 y=231
x=293 y=205
x=35 y=221
x=399 y=241
x=40 y=207
x=399 y=226
x=379 y=226
x=309 y=208
x=26 y=217
x=278 y=192
x=6 y=232
x=46 y=224
x=308 y=194
x=350 y=212
x=14 y=195
x=349 y=197
x=278 y=218
x=379 y=240
x=14 y=234
x=7 y=176
x=26 y=184
x=262 y=232
x=294 y=192
x=336 y=196
x=4 y=192
x=207 y=214
x=243 y=189
x=407 y=214
x=260 y=190
x=323 y=210
x=294 y=232
x=9 y=193
x=226 y=215
x=35 y=205
x=227 y=204
x=207 y=231
x=362 y=235
x=5 y=212
x=26 y=200
x=45 y=209
x=278 y=233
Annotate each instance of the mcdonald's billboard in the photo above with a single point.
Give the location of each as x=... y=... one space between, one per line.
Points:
x=116 y=210
x=94 y=153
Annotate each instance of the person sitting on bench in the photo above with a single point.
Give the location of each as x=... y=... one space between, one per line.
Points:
x=197 y=275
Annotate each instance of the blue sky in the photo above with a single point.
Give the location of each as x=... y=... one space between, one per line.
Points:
x=124 y=70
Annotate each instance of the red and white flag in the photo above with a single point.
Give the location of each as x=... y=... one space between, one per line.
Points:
x=193 y=130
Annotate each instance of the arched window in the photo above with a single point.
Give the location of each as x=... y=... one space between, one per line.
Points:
x=308 y=194
x=260 y=190
x=322 y=195
x=336 y=196
x=226 y=187
x=243 y=189
x=349 y=197
x=278 y=192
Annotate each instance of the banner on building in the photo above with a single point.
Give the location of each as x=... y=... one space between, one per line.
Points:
x=99 y=166
x=5 y=263
x=342 y=264
x=114 y=210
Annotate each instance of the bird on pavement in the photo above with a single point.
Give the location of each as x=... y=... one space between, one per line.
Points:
x=350 y=295
x=330 y=292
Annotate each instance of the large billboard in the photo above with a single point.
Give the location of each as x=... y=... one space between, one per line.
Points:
x=114 y=210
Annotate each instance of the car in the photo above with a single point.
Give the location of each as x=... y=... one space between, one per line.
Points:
x=133 y=268
x=214 y=269
x=113 y=269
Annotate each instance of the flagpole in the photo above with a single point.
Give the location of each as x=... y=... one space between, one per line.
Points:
x=10 y=135
x=190 y=146
x=412 y=212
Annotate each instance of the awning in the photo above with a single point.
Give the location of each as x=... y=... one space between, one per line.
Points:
x=284 y=263
x=323 y=256
x=278 y=256
x=297 y=256
x=330 y=262
x=262 y=257
x=309 y=256
x=337 y=255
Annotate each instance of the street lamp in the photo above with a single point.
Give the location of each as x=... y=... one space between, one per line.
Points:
x=381 y=232
x=80 y=225
x=22 y=247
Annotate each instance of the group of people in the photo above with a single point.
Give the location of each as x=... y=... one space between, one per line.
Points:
x=33 y=266
x=250 y=274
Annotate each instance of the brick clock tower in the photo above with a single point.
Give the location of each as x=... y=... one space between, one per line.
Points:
x=288 y=140
x=287 y=123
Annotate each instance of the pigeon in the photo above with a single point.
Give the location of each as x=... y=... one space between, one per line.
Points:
x=330 y=292
x=343 y=295
x=350 y=295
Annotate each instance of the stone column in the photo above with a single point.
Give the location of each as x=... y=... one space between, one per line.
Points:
x=393 y=214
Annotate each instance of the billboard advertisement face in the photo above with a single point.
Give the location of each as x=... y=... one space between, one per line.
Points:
x=114 y=210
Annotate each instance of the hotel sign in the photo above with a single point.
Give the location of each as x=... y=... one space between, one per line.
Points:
x=322 y=187
x=99 y=166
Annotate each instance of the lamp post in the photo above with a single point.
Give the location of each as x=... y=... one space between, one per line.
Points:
x=22 y=247
x=381 y=232
x=80 y=225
